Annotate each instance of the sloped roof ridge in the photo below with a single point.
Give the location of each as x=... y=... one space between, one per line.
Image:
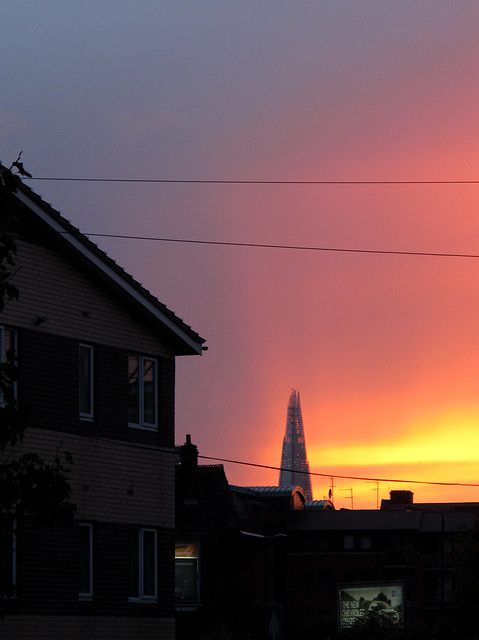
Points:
x=102 y=256
x=269 y=489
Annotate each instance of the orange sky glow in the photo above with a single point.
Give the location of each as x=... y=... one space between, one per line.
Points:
x=383 y=348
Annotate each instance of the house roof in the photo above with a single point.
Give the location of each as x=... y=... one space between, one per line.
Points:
x=268 y=492
x=319 y=505
x=67 y=236
x=375 y=520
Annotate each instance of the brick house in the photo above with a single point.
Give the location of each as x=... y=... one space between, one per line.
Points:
x=96 y=357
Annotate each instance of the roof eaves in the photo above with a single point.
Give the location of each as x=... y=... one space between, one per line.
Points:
x=110 y=268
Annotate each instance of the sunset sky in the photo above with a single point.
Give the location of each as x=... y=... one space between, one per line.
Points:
x=383 y=347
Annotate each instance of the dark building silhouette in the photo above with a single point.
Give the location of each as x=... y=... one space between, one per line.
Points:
x=294 y=460
x=244 y=554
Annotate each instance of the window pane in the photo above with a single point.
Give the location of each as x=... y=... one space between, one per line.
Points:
x=366 y=543
x=149 y=563
x=8 y=355
x=349 y=542
x=186 y=572
x=134 y=564
x=8 y=344
x=149 y=392
x=133 y=390
x=186 y=580
x=86 y=380
x=85 y=560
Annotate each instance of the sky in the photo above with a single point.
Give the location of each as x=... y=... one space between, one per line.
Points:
x=383 y=347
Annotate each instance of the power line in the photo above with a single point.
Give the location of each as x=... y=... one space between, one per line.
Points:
x=289 y=247
x=256 y=182
x=174 y=451
x=344 y=477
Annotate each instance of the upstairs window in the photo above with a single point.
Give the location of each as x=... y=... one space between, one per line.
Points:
x=143 y=555
x=142 y=392
x=86 y=381
x=8 y=350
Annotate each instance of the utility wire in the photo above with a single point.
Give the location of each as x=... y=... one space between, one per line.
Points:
x=175 y=450
x=289 y=247
x=253 y=182
x=330 y=475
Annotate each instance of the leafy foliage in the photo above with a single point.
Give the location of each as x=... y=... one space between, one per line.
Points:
x=30 y=486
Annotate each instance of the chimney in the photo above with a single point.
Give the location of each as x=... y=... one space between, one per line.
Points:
x=401 y=497
x=189 y=454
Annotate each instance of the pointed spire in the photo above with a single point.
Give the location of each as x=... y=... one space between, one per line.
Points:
x=294 y=460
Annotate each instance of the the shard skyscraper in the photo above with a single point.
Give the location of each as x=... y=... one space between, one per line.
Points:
x=294 y=460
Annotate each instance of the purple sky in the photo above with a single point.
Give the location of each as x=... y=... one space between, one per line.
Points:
x=384 y=349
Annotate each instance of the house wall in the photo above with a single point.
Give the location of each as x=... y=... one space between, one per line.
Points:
x=120 y=476
x=74 y=304
x=79 y=628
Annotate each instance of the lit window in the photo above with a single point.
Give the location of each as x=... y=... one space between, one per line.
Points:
x=143 y=554
x=186 y=572
x=85 y=557
x=86 y=381
x=142 y=392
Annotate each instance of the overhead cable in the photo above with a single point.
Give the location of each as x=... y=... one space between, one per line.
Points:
x=175 y=451
x=289 y=247
x=255 y=182
x=344 y=477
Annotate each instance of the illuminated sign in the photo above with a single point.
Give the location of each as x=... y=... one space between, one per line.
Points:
x=186 y=550
x=373 y=599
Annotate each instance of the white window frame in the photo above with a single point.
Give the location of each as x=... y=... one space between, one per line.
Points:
x=87 y=415
x=89 y=594
x=3 y=354
x=142 y=597
x=142 y=423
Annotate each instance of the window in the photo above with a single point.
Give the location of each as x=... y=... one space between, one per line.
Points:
x=8 y=350
x=186 y=572
x=348 y=541
x=86 y=381
x=143 y=554
x=142 y=392
x=366 y=543
x=85 y=559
